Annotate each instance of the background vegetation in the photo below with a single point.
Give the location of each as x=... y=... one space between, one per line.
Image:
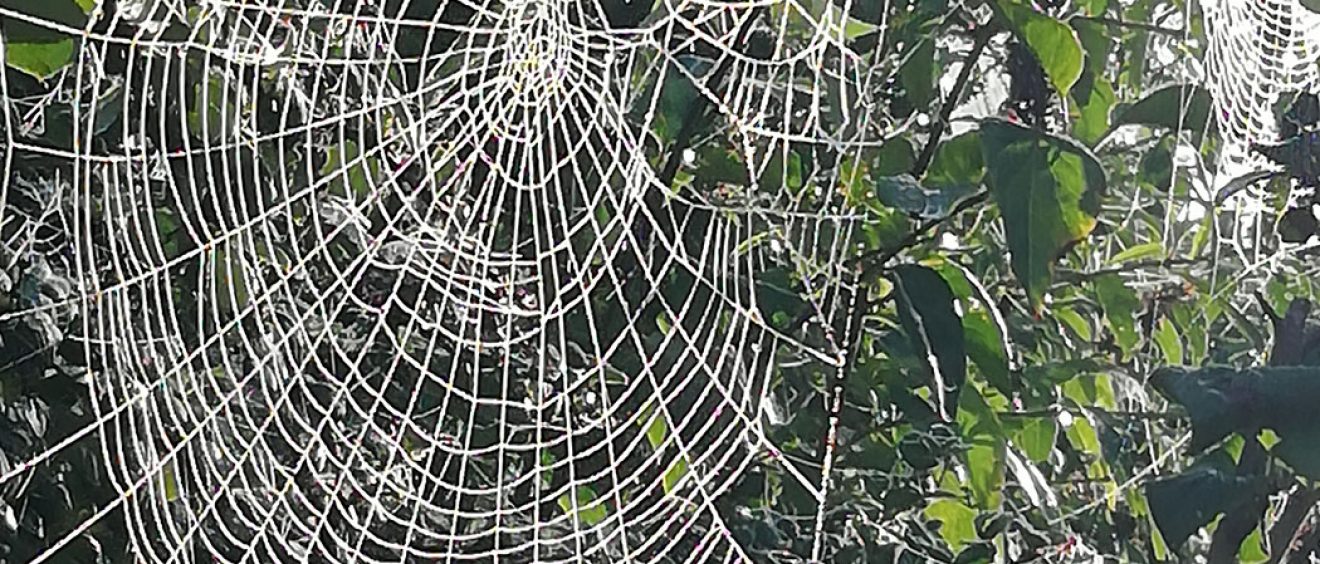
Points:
x=1071 y=343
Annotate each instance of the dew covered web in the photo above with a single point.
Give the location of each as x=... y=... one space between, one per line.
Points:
x=425 y=280
x=1260 y=52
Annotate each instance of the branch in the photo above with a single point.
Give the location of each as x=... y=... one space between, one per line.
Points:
x=1051 y=413
x=874 y=261
x=983 y=35
x=1131 y=25
x=1284 y=533
x=1082 y=276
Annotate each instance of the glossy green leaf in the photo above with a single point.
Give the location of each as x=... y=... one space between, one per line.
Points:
x=1048 y=191
x=926 y=311
x=957 y=162
x=1053 y=43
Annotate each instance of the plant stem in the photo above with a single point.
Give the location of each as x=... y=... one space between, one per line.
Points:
x=1131 y=25
x=874 y=261
x=982 y=38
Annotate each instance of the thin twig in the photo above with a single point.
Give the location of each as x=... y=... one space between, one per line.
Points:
x=874 y=261
x=983 y=35
x=1131 y=25
x=1081 y=276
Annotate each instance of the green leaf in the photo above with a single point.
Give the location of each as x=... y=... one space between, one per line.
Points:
x=1036 y=438
x=1164 y=108
x=1095 y=98
x=1252 y=550
x=1184 y=503
x=674 y=473
x=169 y=483
x=1090 y=390
x=1053 y=43
x=957 y=162
x=1074 y=321
x=1096 y=41
x=1119 y=303
x=1222 y=400
x=986 y=454
x=35 y=52
x=1083 y=437
x=212 y=115
x=41 y=51
x=588 y=510
x=917 y=74
x=979 y=553
x=656 y=432
x=1048 y=191
x=985 y=348
x=926 y=311
x=352 y=176
x=776 y=300
x=1138 y=252
x=904 y=193
x=1170 y=342
x=895 y=157
x=678 y=93
x=1312 y=5
x=957 y=521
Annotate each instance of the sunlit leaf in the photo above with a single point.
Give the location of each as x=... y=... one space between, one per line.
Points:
x=1138 y=252
x=985 y=456
x=584 y=506
x=37 y=50
x=1053 y=43
x=957 y=521
x=1048 y=191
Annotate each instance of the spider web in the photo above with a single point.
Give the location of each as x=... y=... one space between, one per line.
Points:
x=397 y=281
x=1257 y=52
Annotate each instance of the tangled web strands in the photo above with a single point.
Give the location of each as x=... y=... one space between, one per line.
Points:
x=402 y=280
x=1258 y=50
